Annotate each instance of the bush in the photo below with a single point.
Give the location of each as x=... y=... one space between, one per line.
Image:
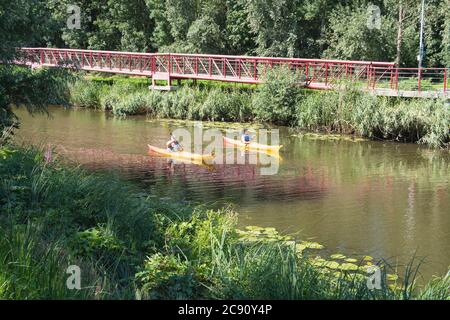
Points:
x=166 y=277
x=276 y=99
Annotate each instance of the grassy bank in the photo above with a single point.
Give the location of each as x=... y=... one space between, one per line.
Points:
x=131 y=246
x=281 y=101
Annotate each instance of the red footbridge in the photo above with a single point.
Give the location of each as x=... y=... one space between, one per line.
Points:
x=381 y=78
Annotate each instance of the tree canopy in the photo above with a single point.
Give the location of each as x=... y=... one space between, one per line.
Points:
x=291 y=28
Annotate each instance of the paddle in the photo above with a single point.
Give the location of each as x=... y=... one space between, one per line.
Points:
x=176 y=141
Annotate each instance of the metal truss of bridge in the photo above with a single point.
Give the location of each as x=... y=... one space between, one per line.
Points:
x=381 y=78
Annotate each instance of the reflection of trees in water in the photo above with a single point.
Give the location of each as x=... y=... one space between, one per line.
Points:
x=197 y=181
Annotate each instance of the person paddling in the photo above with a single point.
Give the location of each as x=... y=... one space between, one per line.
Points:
x=173 y=145
x=245 y=138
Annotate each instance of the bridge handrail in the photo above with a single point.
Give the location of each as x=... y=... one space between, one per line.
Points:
x=259 y=58
x=316 y=73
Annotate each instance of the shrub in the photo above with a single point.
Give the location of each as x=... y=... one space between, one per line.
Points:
x=166 y=277
x=275 y=100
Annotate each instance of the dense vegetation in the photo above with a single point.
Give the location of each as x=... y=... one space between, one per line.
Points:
x=280 y=100
x=314 y=28
x=132 y=246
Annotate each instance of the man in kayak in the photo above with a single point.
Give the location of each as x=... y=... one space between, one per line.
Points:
x=245 y=138
x=173 y=145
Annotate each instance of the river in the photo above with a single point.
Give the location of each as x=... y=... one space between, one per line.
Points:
x=381 y=199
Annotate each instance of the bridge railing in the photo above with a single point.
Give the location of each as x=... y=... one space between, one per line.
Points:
x=315 y=73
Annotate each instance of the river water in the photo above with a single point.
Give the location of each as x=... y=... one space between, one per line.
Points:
x=381 y=199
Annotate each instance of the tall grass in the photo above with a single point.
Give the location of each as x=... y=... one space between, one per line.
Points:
x=354 y=112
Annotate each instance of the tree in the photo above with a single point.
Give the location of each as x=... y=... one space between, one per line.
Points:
x=446 y=40
x=238 y=34
x=406 y=13
x=204 y=36
x=349 y=37
x=274 y=24
x=161 y=36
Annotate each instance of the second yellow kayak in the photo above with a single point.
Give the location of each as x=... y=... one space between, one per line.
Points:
x=252 y=145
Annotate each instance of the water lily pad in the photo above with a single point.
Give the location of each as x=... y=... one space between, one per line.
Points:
x=351 y=260
x=332 y=265
x=312 y=245
x=366 y=269
x=318 y=262
x=367 y=258
x=300 y=247
x=392 y=277
x=349 y=267
x=337 y=256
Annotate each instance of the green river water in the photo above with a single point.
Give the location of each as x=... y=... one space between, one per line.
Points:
x=381 y=199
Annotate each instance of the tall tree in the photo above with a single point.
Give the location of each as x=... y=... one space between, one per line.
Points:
x=274 y=23
x=350 y=37
x=240 y=39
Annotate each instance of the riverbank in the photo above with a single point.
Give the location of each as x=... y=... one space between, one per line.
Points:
x=131 y=246
x=279 y=101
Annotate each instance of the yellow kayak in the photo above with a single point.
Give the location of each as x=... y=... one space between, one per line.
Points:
x=181 y=154
x=252 y=145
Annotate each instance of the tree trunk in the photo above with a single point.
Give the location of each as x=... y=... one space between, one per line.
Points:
x=401 y=18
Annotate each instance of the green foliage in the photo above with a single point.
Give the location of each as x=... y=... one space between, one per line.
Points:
x=96 y=242
x=239 y=36
x=276 y=99
x=225 y=106
x=309 y=29
x=349 y=38
x=274 y=22
x=166 y=277
x=204 y=35
x=31 y=270
x=354 y=112
x=85 y=94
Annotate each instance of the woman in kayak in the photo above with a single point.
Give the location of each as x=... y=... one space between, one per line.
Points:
x=245 y=138
x=173 y=144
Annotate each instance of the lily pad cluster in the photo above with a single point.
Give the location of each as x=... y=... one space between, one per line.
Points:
x=329 y=137
x=337 y=265
x=256 y=234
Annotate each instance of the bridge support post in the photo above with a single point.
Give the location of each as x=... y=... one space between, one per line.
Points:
x=165 y=76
